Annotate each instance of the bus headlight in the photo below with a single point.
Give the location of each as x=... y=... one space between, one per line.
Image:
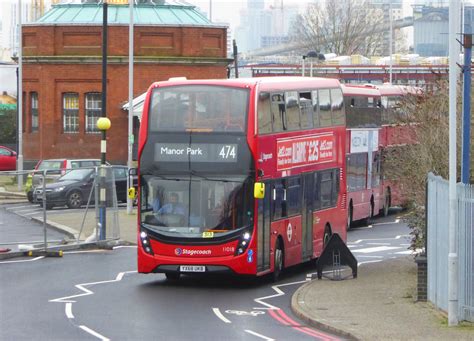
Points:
x=244 y=242
x=146 y=243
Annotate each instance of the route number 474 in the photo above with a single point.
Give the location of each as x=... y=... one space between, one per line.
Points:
x=228 y=152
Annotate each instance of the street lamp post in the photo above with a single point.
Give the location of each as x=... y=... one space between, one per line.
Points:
x=302 y=69
x=311 y=55
x=131 y=138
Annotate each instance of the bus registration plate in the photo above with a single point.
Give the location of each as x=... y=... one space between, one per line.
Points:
x=192 y=268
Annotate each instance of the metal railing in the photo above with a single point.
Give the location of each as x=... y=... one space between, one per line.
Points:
x=61 y=213
x=438 y=246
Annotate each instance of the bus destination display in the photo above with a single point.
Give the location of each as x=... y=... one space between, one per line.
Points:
x=199 y=152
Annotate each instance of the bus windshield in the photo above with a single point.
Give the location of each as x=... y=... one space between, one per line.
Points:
x=192 y=205
x=198 y=108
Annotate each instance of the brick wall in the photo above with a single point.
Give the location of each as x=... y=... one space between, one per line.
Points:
x=422 y=279
x=61 y=60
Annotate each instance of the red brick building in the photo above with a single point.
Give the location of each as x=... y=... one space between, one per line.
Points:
x=62 y=71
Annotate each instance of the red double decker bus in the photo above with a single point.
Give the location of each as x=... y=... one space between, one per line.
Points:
x=245 y=176
x=395 y=132
x=363 y=163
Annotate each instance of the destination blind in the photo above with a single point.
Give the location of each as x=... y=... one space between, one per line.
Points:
x=199 y=152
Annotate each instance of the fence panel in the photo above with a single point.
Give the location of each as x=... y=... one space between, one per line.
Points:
x=438 y=241
x=70 y=213
x=466 y=254
x=438 y=245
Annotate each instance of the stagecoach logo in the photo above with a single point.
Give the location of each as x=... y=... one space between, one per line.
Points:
x=289 y=232
x=181 y=252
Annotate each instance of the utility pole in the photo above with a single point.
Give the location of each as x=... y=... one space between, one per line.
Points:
x=19 y=165
x=466 y=105
x=131 y=139
x=390 y=40
x=452 y=227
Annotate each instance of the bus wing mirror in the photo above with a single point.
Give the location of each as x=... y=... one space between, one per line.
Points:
x=259 y=190
x=131 y=193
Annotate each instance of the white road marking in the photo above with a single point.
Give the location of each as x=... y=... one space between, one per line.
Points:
x=365 y=228
x=386 y=223
x=279 y=292
x=68 y=309
x=87 y=292
x=259 y=335
x=85 y=251
x=408 y=252
x=23 y=261
x=365 y=256
x=125 y=247
x=377 y=249
x=68 y=300
x=15 y=207
x=32 y=213
x=219 y=315
x=369 y=261
x=94 y=333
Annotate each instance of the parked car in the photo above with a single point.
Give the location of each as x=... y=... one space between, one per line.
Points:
x=56 y=168
x=74 y=188
x=7 y=159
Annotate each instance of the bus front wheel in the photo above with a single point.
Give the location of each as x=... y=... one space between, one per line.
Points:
x=278 y=260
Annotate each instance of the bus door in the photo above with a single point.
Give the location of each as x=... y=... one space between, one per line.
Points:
x=307 y=217
x=263 y=230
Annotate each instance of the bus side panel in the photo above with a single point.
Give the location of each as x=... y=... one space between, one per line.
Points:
x=290 y=230
x=360 y=204
x=336 y=222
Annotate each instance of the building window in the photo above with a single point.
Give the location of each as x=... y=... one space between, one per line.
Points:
x=93 y=111
x=71 y=112
x=34 y=112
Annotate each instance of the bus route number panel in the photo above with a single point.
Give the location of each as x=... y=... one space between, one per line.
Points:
x=196 y=152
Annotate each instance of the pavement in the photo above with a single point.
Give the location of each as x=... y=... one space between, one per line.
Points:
x=378 y=305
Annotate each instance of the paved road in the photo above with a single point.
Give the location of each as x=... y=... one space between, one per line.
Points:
x=18 y=230
x=98 y=295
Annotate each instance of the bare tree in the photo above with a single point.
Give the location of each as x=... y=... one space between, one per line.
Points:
x=409 y=165
x=343 y=27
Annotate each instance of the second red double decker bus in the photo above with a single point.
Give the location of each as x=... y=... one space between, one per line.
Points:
x=364 y=119
x=245 y=176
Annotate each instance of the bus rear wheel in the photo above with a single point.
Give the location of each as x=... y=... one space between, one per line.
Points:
x=278 y=261
x=349 y=218
x=327 y=235
x=386 y=205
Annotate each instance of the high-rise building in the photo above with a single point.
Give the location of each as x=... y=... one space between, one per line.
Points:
x=260 y=26
x=392 y=10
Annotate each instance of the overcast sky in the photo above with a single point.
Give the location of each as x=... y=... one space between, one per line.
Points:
x=229 y=10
